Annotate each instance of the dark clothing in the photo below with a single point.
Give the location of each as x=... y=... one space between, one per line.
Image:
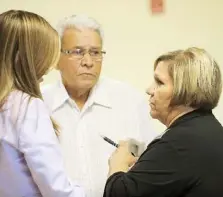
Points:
x=187 y=161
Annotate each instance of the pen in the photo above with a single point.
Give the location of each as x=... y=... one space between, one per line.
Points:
x=112 y=142
x=109 y=141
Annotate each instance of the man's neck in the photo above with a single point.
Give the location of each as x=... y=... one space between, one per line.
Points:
x=79 y=96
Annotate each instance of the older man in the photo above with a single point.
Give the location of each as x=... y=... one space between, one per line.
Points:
x=86 y=105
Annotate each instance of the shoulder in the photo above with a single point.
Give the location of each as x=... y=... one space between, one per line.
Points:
x=21 y=103
x=195 y=125
x=122 y=91
x=191 y=138
x=48 y=90
x=36 y=107
x=18 y=109
x=26 y=106
x=120 y=86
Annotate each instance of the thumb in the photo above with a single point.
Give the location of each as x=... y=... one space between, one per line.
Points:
x=133 y=160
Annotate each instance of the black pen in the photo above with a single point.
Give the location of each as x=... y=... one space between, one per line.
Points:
x=112 y=142
x=109 y=141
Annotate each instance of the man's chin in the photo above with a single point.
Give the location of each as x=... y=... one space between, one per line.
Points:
x=88 y=84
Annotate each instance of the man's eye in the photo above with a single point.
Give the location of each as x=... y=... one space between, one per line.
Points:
x=95 y=53
x=78 y=52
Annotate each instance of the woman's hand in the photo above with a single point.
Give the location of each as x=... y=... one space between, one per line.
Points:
x=121 y=159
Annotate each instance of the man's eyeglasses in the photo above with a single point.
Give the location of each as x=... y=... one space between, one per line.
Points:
x=78 y=53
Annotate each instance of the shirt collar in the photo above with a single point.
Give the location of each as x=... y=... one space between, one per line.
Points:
x=60 y=95
x=99 y=95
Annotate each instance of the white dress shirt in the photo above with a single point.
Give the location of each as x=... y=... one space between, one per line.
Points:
x=113 y=109
x=31 y=163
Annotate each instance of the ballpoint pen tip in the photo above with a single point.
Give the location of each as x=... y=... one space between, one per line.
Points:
x=101 y=135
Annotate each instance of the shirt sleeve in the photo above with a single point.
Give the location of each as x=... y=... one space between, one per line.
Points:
x=158 y=173
x=42 y=153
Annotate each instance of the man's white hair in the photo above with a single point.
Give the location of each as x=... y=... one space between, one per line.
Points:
x=79 y=22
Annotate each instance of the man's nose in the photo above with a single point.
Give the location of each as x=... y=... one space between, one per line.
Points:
x=87 y=60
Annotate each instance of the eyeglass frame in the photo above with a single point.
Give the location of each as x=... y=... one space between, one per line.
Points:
x=70 y=52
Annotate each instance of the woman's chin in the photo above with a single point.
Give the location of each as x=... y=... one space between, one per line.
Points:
x=153 y=114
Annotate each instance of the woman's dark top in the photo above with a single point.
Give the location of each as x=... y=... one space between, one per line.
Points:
x=187 y=161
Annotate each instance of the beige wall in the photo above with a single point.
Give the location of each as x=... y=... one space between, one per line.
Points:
x=134 y=38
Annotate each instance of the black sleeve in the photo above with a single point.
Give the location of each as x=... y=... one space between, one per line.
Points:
x=157 y=173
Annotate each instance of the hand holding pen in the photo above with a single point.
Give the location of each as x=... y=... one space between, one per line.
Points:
x=113 y=143
x=109 y=141
x=120 y=160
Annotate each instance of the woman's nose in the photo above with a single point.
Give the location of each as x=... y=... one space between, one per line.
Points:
x=150 y=90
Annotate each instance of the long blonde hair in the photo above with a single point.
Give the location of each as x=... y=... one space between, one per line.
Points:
x=29 y=47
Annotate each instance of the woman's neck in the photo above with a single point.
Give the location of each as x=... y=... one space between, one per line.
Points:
x=180 y=111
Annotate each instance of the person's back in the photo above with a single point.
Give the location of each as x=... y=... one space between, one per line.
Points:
x=25 y=133
x=16 y=178
x=190 y=138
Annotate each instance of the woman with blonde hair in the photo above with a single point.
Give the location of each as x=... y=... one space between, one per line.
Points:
x=187 y=159
x=31 y=163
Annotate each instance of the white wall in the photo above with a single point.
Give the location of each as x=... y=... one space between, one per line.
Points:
x=134 y=38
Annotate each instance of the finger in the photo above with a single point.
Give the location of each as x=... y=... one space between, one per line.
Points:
x=123 y=143
x=133 y=141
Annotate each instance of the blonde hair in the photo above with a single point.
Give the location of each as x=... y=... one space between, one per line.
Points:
x=29 y=47
x=196 y=78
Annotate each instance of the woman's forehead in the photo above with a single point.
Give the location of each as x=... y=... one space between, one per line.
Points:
x=161 y=70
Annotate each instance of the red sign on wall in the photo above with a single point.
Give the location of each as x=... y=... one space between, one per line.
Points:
x=157 y=6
